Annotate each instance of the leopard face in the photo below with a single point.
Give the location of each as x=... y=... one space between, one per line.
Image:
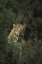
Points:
x=18 y=29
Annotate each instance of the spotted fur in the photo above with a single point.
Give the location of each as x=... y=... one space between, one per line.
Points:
x=18 y=29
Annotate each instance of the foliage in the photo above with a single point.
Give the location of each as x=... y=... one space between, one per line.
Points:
x=29 y=49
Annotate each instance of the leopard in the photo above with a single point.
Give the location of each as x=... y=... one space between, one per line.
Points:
x=16 y=33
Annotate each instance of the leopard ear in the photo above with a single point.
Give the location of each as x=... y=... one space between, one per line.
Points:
x=14 y=25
